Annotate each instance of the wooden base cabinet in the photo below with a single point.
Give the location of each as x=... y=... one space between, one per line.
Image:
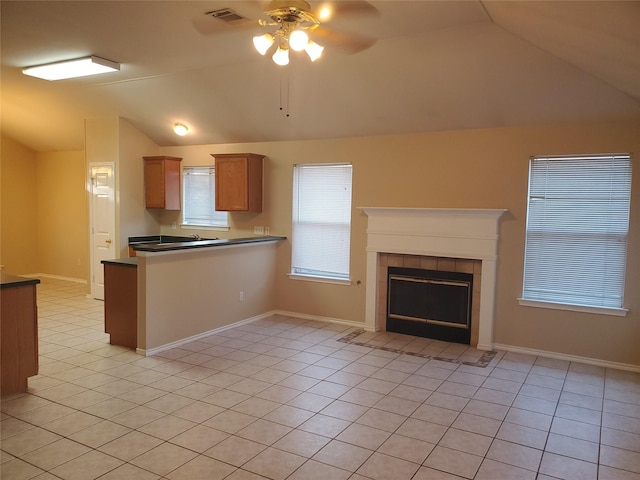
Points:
x=239 y=182
x=18 y=334
x=121 y=303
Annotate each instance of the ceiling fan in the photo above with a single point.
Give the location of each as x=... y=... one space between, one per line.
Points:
x=297 y=25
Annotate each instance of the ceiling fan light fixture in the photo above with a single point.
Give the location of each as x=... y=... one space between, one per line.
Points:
x=79 y=67
x=313 y=50
x=180 y=129
x=325 y=13
x=281 y=57
x=263 y=43
x=298 y=40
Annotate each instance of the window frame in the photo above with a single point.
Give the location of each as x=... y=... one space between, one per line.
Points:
x=306 y=274
x=219 y=224
x=528 y=297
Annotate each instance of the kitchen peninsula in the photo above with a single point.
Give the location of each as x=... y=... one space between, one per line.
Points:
x=186 y=290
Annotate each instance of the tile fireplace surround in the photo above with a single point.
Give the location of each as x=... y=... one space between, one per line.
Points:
x=435 y=232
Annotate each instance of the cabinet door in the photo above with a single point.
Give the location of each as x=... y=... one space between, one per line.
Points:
x=121 y=304
x=231 y=184
x=239 y=182
x=162 y=182
x=154 y=183
x=19 y=338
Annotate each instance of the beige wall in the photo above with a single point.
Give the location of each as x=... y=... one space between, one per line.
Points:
x=462 y=169
x=63 y=228
x=134 y=218
x=190 y=292
x=18 y=208
x=115 y=140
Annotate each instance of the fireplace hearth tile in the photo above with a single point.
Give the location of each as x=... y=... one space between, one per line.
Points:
x=362 y=338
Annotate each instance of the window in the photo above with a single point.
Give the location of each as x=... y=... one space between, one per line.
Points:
x=321 y=221
x=199 y=195
x=576 y=238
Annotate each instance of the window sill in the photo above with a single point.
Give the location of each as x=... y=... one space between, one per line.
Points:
x=191 y=226
x=310 y=278
x=618 y=312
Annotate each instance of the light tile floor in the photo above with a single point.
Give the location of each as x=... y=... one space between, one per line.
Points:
x=282 y=398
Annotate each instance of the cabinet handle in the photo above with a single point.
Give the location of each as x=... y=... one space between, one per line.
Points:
x=108 y=241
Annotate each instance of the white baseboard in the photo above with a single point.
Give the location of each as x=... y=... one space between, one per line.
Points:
x=497 y=346
x=182 y=341
x=570 y=358
x=349 y=323
x=485 y=348
x=193 y=338
x=56 y=277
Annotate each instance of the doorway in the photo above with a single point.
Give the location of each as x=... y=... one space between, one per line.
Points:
x=102 y=222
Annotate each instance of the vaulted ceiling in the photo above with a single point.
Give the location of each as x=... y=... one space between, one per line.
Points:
x=435 y=65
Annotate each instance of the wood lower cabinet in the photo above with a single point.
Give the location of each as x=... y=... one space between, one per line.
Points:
x=162 y=182
x=121 y=302
x=239 y=182
x=18 y=333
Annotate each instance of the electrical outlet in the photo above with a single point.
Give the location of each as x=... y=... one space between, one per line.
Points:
x=174 y=226
x=79 y=262
x=258 y=230
x=266 y=230
x=241 y=296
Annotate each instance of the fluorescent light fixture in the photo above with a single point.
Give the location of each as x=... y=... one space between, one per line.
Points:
x=79 y=67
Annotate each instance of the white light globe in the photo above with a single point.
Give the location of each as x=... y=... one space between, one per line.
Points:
x=281 y=57
x=298 y=40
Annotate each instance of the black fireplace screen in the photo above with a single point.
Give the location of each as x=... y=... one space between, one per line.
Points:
x=430 y=303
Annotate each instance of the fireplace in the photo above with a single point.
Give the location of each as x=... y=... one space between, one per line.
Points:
x=429 y=303
x=457 y=240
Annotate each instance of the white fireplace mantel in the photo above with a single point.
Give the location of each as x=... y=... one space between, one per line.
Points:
x=438 y=232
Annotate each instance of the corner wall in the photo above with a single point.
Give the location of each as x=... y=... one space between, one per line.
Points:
x=18 y=208
x=63 y=238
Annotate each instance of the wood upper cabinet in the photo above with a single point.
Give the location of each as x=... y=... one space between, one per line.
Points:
x=162 y=182
x=239 y=182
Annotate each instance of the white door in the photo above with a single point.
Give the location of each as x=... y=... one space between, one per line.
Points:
x=103 y=223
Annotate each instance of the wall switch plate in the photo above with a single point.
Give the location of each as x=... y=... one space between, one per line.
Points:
x=241 y=296
x=258 y=230
x=266 y=230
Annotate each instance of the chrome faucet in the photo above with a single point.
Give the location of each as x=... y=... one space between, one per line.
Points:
x=195 y=236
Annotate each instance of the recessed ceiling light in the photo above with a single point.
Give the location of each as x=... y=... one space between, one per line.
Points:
x=79 y=67
x=180 y=129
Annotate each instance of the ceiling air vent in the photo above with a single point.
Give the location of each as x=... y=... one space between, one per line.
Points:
x=225 y=14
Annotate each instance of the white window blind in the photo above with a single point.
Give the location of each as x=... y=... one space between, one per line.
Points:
x=577 y=223
x=199 y=207
x=321 y=220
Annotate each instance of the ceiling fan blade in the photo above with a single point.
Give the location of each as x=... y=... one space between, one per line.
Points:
x=350 y=43
x=328 y=10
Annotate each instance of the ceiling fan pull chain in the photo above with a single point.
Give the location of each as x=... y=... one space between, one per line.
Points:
x=284 y=108
x=288 y=91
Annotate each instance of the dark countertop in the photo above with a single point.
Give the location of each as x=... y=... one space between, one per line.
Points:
x=160 y=239
x=8 y=281
x=182 y=245
x=125 y=262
